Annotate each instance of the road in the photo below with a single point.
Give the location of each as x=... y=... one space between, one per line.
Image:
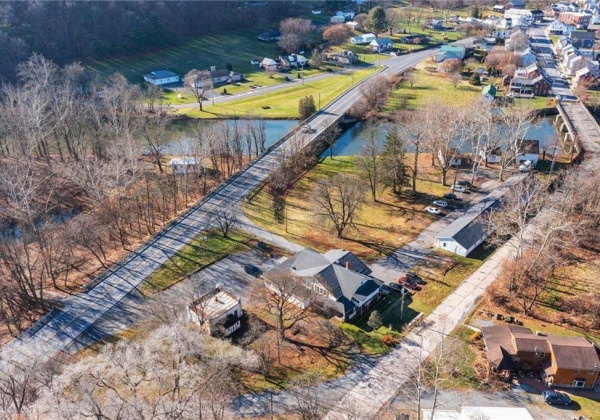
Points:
x=67 y=327
x=542 y=45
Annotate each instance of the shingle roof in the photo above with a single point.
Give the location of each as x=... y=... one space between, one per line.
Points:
x=341 y=257
x=161 y=74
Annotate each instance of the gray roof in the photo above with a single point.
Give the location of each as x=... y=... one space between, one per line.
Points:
x=468 y=229
x=161 y=74
x=330 y=270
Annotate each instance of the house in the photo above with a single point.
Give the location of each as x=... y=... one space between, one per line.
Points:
x=515 y=4
x=585 y=76
x=495 y=156
x=182 y=166
x=530 y=151
x=489 y=92
x=346 y=14
x=293 y=61
x=505 y=23
x=161 y=77
x=343 y=58
x=574 y=63
x=269 y=36
x=528 y=57
x=537 y=15
x=381 y=44
x=522 y=87
x=501 y=34
x=583 y=40
x=514 y=42
x=337 y=19
x=468 y=231
x=218 y=312
x=362 y=39
x=220 y=76
x=498 y=8
x=556 y=27
x=451 y=51
x=353 y=25
x=339 y=280
x=436 y=24
x=530 y=72
x=578 y=19
x=268 y=64
x=570 y=362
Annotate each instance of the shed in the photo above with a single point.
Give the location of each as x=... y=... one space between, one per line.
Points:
x=181 y=166
x=268 y=64
x=489 y=92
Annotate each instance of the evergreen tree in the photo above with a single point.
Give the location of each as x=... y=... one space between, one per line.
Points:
x=375 y=320
x=306 y=107
x=475 y=80
x=475 y=12
x=393 y=172
x=377 y=21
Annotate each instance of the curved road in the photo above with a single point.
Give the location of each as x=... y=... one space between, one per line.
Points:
x=65 y=328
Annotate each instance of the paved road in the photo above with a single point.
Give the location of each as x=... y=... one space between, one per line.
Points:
x=542 y=45
x=66 y=328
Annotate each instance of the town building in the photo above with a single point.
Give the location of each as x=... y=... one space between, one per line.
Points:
x=578 y=19
x=218 y=312
x=161 y=77
x=528 y=88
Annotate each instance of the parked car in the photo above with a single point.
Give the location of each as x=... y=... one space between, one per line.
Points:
x=441 y=203
x=465 y=184
x=398 y=289
x=451 y=196
x=459 y=188
x=264 y=247
x=432 y=210
x=252 y=270
x=555 y=397
x=409 y=283
x=415 y=277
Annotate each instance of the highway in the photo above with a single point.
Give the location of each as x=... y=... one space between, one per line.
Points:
x=64 y=328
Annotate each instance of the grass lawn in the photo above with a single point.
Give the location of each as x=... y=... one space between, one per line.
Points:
x=383 y=226
x=283 y=103
x=443 y=273
x=370 y=342
x=204 y=250
x=392 y=313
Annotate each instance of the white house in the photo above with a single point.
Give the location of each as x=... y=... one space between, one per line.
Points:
x=346 y=14
x=218 y=312
x=528 y=57
x=181 y=166
x=161 y=77
x=220 y=76
x=337 y=19
x=362 y=39
x=556 y=27
x=293 y=61
x=502 y=33
x=381 y=44
x=268 y=64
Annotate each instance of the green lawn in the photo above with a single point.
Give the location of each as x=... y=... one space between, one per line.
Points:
x=371 y=342
x=284 y=103
x=392 y=313
x=204 y=250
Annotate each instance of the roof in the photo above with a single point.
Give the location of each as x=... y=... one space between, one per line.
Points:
x=221 y=73
x=161 y=74
x=382 y=41
x=330 y=271
x=215 y=303
x=268 y=61
x=489 y=89
x=183 y=161
x=460 y=229
x=453 y=48
x=573 y=353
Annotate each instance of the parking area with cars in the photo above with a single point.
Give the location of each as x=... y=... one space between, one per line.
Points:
x=449 y=200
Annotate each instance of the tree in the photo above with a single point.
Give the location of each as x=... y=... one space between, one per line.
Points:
x=410 y=77
x=337 y=34
x=392 y=18
x=318 y=58
x=294 y=34
x=368 y=159
x=375 y=93
x=377 y=21
x=306 y=107
x=393 y=166
x=475 y=80
x=516 y=121
x=408 y=13
x=375 y=320
x=283 y=296
x=226 y=219
x=475 y=12
x=361 y=18
x=519 y=41
x=455 y=78
x=451 y=65
x=199 y=84
x=337 y=200
x=310 y=402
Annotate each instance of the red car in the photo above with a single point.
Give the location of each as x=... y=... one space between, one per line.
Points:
x=409 y=283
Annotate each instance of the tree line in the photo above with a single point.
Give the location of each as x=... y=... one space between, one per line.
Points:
x=83 y=177
x=66 y=31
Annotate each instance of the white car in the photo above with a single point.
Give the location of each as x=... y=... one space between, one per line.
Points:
x=432 y=210
x=307 y=128
x=459 y=188
x=441 y=203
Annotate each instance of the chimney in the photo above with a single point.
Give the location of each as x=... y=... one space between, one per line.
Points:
x=213 y=68
x=347 y=265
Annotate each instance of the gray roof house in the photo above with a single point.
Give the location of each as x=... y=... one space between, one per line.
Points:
x=161 y=77
x=340 y=281
x=468 y=231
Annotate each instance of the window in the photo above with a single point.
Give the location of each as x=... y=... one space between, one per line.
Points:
x=540 y=354
x=444 y=244
x=578 y=383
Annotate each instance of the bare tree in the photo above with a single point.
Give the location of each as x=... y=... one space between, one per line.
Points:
x=515 y=121
x=337 y=200
x=393 y=19
x=518 y=41
x=294 y=34
x=310 y=402
x=154 y=130
x=410 y=77
x=376 y=92
x=226 y=219
x=368 y=159
x=199 y=84
x=337 y=34
x=451 y=66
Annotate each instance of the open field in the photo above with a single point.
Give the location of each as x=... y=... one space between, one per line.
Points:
x=383 y=226
x=284 y=102
x=204 y=250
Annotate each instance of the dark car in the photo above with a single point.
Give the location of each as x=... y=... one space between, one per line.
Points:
x=555 y=397
x=252 y=270
x=415 y=277
x=397 y=288
x=465 y=184
x=409 y=283
x=452 y=196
